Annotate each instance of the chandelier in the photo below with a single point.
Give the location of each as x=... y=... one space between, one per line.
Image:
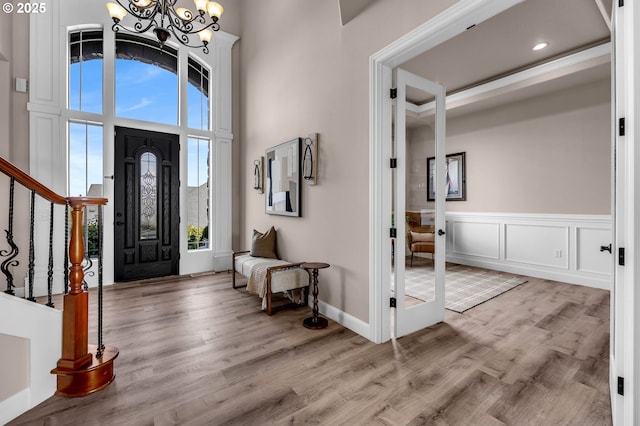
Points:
x=166 y=19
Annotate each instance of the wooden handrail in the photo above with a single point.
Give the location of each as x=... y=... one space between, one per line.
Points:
x=78 y=371
x=32 y=184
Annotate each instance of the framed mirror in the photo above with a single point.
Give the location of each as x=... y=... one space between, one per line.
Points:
x=282 y=179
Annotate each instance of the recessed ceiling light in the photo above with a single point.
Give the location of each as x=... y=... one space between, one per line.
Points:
x=540 y=46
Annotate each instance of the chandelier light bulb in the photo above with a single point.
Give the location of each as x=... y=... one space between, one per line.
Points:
x=205 y=36
x=142 y=4
x=201 y=5
x=184 y=14
x=215 y=9
x=116 y=11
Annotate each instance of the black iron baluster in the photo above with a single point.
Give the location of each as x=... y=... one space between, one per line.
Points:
x=10 y=254
x=87 y=261
x=50 y=265
x=31 y=246
x=100 y=230
x=66 y=249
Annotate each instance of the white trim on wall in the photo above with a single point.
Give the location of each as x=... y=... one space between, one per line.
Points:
x=48 y=132
x=562 y=248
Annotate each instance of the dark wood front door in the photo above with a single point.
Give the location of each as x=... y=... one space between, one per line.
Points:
x=146 y=204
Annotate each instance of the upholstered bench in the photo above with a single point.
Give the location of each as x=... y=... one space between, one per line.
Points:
x=267 y=275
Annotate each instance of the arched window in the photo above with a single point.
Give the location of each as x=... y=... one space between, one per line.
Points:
x=146 y=80
x=146 y=85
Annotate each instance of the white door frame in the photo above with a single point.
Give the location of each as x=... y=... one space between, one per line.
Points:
x=439 y=29
x=625 y=334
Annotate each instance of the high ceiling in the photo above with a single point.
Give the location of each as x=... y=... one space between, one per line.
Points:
x=503 y=44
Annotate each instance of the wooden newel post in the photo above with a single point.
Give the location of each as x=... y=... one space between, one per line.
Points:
x=79 y=371
x=75 y=318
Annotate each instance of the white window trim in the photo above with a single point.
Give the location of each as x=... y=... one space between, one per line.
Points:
x=48 y=115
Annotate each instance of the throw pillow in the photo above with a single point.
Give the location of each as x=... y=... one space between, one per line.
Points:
x=264 y=245
x=422 y=236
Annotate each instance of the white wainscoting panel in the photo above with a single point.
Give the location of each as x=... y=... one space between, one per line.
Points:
x=480 y=239
x=537 y=244
x=588 y=259
x=556 y=247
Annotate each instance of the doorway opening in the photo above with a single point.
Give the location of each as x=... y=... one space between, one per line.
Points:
x=464 y=19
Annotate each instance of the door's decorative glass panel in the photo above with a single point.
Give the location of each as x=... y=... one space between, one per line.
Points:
x=148 y=196
x=85 y=71
x=198 y=96
x=146 y=80
x=198 y=194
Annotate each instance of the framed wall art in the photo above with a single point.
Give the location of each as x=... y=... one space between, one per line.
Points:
x=282 y=179
x=456 y=179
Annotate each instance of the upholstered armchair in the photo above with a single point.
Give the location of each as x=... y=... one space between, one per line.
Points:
x=420 y=238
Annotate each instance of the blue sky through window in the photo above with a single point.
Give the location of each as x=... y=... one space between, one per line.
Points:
x=146 y=92
x=85 y=158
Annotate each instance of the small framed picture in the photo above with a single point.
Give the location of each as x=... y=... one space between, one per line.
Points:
x=456 y=180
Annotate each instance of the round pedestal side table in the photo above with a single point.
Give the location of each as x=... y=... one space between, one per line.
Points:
x=315 y=322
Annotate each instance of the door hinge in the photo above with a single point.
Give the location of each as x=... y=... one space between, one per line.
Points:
x=621 y=256
x=392 y=302
x=393 y=163
x=620 y=385
x=620 y=3
x=392 y=233
x=621 y=127
x=393 y=93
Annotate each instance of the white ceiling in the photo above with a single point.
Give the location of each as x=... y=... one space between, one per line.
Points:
x=502 y=45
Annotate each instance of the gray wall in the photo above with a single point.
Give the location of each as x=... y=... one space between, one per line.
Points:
x=547 y=154
x=302 y=72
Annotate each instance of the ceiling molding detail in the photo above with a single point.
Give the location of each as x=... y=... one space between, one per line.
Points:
x=583 y=60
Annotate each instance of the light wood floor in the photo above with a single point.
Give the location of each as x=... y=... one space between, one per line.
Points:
x=197 y=352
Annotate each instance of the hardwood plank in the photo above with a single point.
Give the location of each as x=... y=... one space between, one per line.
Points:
x=197 y=352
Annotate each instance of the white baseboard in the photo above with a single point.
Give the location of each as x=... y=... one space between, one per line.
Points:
x=352 y=323
x=15 y=405
x=562 y=276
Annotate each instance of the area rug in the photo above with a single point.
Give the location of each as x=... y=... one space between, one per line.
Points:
x=465 y=286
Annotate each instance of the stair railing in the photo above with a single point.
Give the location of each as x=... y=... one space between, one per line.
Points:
x=82 y=368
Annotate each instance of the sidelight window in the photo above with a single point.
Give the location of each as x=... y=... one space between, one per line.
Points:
x=198 y=194
x=85 y=159
x=85 y=71
x=198 y=96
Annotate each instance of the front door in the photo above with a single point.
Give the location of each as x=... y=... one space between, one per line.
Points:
x=146 y=204
x=419 y=212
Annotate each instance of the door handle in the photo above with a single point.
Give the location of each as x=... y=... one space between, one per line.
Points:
x=606 y=248
x=441 y=232
x=119 y=223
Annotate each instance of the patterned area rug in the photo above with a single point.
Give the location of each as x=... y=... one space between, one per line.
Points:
x=466 y=286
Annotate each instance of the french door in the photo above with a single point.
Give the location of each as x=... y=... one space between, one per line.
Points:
x=419 y=209
x=146 y=204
